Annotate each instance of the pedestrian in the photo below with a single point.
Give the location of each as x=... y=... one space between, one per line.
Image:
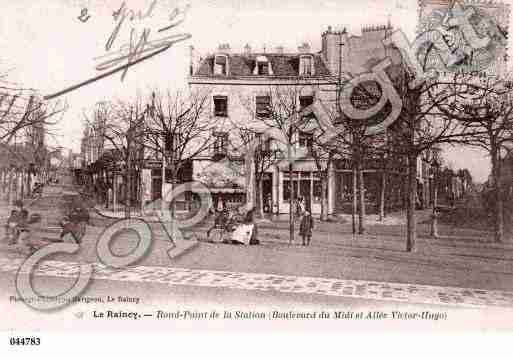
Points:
x=305 y=228
x=221 y=217
x=301 y=206
x=11 y=232
x=250 y=220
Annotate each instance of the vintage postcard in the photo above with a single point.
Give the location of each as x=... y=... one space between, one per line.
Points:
x=261 y=165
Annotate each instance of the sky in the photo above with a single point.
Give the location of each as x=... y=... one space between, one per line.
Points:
x=47 y=48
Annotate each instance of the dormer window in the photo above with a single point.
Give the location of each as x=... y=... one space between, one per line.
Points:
x=306 y=65
x=221 y=65
x=262 y=66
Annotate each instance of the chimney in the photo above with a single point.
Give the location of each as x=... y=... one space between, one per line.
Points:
x=247 y=49
x=191 y=60
x=304 y=48
x=279 y=50
x=224 y=47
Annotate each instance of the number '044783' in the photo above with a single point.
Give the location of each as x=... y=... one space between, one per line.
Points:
x=23 y=341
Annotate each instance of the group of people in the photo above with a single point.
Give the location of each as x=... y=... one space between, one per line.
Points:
x=227 y=221
x=18 y=226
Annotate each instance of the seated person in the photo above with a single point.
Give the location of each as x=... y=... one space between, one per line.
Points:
x=10 y=226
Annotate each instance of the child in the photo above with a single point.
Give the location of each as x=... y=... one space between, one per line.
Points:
x=305 y=228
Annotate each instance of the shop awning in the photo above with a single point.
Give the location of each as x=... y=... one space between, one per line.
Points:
x=299 y=166
x=227 y=190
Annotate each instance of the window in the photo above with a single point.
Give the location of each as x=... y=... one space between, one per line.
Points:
x=220 y=143
x=221 y=106
x=305 y=101
x=171 y=143
x=263 y=106
x=305 y=139
x=317 y=190
x=220 y=65
x=263 y=68
x=306 y=185
x=305 y=66
x=286 y=189
x=264 y=143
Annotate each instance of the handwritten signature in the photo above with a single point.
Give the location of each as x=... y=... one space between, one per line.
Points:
x=139 y=48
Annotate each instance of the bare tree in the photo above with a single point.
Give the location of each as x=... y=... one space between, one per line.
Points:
x=260 y=156
x=122 y=127
x=21 y=117
x=425 y=123
x=178 y=129
x=280 y=117
x=484 y=109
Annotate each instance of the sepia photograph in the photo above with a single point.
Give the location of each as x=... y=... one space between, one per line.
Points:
x=255 y=166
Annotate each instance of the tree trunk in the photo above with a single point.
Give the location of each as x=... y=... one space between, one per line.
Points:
x=291 y=206
x=260 y=198
x=354 y=198
x=411 y=224
x=127 y=193
x=499 y=202
x=29 y=189
x=9 y=187
x=324 y=197
x=382 y=196
x=22 y=185
x=434 y=220
x=361 y=213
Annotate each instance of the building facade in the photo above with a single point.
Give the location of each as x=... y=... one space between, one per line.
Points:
x=240 y=83
x=241 y=87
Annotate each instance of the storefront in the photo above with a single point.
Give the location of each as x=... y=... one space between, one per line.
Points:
x=151 y=181
x=305 y=183
x=226 y=182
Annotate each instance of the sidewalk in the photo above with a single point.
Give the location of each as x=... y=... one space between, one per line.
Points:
x=306 y=285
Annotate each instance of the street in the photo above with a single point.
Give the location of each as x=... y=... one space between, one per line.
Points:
x=337 y=268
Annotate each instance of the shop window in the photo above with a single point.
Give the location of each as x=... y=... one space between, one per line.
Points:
x=304 y=189
x=221 y=106
x=317 y=190
x=286 y=190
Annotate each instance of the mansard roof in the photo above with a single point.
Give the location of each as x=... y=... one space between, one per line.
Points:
x=283 y=65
